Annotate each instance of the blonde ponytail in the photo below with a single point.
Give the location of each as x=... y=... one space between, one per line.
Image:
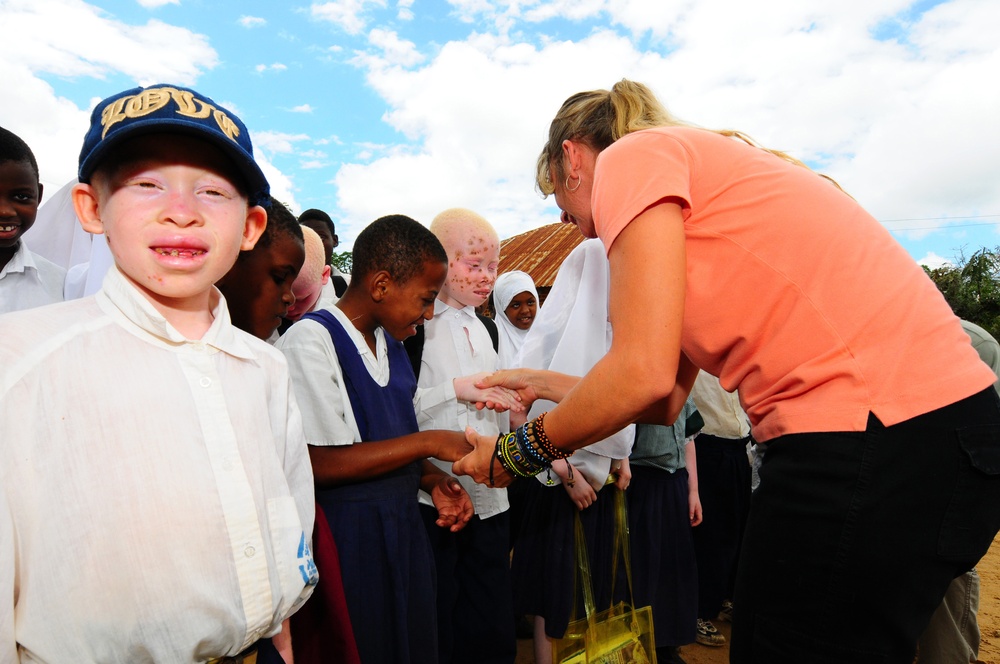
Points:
x=600 y=117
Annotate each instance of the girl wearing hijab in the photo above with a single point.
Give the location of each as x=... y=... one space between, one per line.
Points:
x=516 y=303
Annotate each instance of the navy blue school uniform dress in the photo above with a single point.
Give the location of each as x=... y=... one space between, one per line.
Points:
x=385 y=557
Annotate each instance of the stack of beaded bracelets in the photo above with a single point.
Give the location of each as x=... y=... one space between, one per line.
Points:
x=526 y=451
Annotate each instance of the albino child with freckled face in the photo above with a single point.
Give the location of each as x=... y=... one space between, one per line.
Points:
x=474 y=595
x=473 y=249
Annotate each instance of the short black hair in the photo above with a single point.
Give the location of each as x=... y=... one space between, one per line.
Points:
x=318 y=215
x=397 y=244
x=13 y=148
x=280 y=221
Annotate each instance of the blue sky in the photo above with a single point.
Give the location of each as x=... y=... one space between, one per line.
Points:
x=370 y=107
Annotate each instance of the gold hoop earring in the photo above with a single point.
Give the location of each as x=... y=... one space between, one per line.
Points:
x=579 y=181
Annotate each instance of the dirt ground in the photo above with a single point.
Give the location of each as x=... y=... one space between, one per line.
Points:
x=989 y=622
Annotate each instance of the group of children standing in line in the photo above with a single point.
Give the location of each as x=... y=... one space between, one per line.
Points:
x=162 y=466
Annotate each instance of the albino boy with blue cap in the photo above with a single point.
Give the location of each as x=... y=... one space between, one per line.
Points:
x=155 y=490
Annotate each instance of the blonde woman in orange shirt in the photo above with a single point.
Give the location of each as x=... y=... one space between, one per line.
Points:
x=883 y=432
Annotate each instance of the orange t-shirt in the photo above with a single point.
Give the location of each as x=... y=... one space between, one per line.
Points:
x=795 y=295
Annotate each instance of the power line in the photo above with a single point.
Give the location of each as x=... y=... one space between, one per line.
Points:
x=964 y=216
x=940 y=226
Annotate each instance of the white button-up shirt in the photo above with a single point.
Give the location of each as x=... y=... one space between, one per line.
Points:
x=457 y=344
x=29 y=281
x=157 y=496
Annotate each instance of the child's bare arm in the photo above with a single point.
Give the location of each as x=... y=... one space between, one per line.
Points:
x=343 y=464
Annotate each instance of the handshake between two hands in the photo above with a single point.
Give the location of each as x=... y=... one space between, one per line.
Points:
x=486 y=391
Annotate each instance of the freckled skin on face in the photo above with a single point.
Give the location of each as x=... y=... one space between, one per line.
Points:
x=472 y=268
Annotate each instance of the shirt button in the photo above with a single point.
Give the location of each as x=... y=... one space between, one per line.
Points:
x=205 y=381
x=249 y=551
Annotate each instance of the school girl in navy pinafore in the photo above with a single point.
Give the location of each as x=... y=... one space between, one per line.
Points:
x=385 y=557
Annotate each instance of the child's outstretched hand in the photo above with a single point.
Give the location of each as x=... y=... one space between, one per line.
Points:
x=495 y=398
x=453 y=504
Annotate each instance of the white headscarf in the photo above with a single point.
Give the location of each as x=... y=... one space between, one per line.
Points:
x=570 y=335
x=507 y=287
x=58 y=236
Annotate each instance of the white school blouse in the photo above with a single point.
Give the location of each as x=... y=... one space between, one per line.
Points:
x=457 y=344
x=29 y=281
x=319 y=381
x=157 y=497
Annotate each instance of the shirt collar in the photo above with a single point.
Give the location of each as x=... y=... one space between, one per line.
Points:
x=21 y=260
x=441 y=307
x=120 y=298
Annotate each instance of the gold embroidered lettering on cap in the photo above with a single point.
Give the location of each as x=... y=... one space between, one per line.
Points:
x=112 y=114
x=227 y=126
x=134 y=106
x=187 y=104
x=153 y=99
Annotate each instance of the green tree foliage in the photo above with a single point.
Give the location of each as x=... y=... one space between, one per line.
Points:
x=972 y=288
x=343 y=261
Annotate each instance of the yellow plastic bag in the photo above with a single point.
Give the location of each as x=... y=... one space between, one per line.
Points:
x=620 y=634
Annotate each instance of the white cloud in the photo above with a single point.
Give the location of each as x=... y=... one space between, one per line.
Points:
x=908 y=126
x=277 y=66
x=349 y=15
x=276 y=142
x=153 y=4
x=394 y=52
x=934 y=261
x=252 y=21
x=475 y=144
x=282 y=186
x=312 y=164
x=302 y=108
x=71 y=39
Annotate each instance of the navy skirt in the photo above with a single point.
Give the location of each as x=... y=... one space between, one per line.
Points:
x=664 y=569
x=387 y=567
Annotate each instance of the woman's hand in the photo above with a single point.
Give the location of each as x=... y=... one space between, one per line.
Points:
x=531 y=384
x=453 y=504
x=477 y=463
x=496 y=398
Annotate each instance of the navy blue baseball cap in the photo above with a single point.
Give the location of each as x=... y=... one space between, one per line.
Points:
x=171 y=108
